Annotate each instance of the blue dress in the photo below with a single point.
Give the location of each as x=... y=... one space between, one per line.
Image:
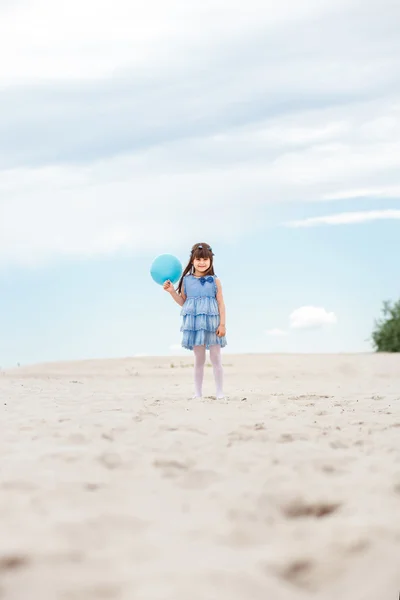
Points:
x=200 y=313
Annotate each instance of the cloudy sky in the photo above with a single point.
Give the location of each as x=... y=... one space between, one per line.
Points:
x=271 y=130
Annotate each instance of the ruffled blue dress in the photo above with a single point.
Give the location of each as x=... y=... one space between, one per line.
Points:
x=200 y=313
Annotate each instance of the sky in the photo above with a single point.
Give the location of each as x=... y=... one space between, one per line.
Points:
x=269 y=130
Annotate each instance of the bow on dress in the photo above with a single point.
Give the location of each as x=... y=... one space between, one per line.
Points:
x=204 y=279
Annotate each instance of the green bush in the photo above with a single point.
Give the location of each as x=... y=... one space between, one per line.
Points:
x=386 y=336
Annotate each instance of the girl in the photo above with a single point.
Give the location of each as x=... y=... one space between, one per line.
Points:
x=199 y=293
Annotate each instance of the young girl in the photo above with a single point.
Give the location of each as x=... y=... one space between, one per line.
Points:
x=199 y=293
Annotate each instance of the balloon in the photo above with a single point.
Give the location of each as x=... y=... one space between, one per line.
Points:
x=166 y=267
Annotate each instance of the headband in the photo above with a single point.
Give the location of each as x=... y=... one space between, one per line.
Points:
x=200 y=247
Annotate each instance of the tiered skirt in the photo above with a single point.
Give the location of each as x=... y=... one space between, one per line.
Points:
x=200 y=321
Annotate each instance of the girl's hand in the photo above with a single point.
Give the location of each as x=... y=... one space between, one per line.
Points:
x=168 y=287
x=221 y=331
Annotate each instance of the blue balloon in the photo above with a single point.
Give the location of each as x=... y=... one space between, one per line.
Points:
x=166 y=267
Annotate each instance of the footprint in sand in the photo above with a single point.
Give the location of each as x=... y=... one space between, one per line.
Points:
x=171 y=468
x=297 y=572
x=11 y=562
x=110 y=460
x=299 y=508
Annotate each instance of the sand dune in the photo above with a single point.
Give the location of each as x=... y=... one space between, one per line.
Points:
x=114 y=485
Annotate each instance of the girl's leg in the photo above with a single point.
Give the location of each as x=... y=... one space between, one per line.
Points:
x=199 y=362
x=216 y=360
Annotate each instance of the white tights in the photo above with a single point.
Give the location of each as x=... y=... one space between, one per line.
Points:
x=199 y=362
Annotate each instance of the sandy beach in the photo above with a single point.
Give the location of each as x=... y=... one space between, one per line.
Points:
x=115 y=485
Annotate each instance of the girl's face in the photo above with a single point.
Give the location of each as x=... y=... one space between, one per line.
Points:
x=201 y=264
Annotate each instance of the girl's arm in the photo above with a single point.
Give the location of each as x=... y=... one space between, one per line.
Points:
x=179 y=298
x=221 y=331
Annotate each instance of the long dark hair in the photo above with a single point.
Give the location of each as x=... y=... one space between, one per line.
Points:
x=200 y=250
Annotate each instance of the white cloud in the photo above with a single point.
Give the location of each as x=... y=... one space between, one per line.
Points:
x=377 y=192
x=105 y=210
x=45 y=41
x=132 y=203
x=348 y=218
x=276 y=332
x=311 y=317
x=113 y=130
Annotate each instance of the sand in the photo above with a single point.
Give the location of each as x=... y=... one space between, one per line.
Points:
x=115 y=485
